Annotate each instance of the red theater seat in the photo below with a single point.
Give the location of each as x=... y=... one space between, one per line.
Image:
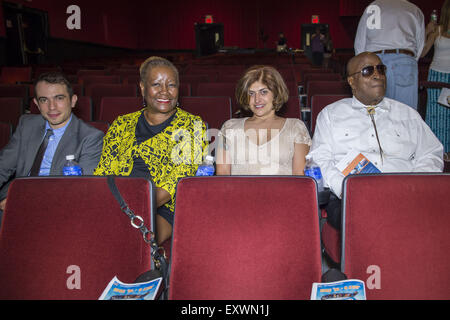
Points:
x=396 y=236
x=291 y=109
x=213 y=110
x=14 y=75
x=100 y=125
x=11 y=109
x=98 y=91
x=326 y=87
x=320 y=101
x=83 y=228
x=233 y=239
x=14 y=90
x=112 y=107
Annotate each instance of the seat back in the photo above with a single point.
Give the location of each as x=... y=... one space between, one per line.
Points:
x=396 y=236
x=100 y=125
x=326 y=87
x=235 y=238
x=13 y=75
x=16 y=90
x=83 y=108
x=291 y=109
x=213 y=110
x=5 y=133
x=11 y=109
x=98 y=91
x=101 y=79
x=70 y=245
x=112 y=107
x=320 y=101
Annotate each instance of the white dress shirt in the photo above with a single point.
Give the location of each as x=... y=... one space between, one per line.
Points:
x=407 y=142
x=401 y=26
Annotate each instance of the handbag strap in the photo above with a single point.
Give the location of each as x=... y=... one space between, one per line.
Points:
x=158 y=253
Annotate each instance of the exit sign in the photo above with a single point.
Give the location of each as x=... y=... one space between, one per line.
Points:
x=315 y=19
x=209 y=18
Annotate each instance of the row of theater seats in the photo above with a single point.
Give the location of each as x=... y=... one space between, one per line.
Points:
x=233 y=237
x=213 y=110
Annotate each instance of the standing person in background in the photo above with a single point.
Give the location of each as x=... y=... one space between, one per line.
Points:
x=395 y=31
x=282 y=42
x=328 y=50
x=317 y=47
x=438 y=115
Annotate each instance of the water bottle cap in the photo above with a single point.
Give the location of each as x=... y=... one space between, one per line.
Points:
x=70 y=157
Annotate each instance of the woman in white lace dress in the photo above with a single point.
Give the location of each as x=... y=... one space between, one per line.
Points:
x=263 y=144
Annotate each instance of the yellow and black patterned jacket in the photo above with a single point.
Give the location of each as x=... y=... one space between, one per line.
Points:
x=172 y=154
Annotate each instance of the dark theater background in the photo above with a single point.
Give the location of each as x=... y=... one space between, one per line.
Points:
x=109 y=26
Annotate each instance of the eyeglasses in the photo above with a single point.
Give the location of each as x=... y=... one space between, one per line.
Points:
x=369 y=70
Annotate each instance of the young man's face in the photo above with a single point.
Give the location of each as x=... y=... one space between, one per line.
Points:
x=54 y=103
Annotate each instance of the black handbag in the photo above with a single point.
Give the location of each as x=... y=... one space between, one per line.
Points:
x=157 y=254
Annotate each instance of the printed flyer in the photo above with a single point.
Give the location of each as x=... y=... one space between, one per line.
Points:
x=117 y=290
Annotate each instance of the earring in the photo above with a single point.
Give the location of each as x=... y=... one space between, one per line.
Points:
x=144 y=103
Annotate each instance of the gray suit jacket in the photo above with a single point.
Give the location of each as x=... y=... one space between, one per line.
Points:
x=80 y=139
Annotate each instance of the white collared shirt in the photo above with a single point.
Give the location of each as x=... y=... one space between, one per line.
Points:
x=407 y=142
x=401 y=26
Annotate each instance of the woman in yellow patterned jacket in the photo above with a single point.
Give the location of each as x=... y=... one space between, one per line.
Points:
x=161 y=142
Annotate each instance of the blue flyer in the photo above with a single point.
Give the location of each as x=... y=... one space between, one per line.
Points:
x=351 y=289
x=117 y=290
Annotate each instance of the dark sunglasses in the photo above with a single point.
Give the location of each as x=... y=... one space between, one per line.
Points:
x=369 y=70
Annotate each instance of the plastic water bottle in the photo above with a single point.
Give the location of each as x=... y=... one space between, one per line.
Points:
x=71 y=168
x=434 y=16
x=313 y=170
x=207 y=167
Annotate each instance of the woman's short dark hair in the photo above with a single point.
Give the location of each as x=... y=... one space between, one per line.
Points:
x=270 y=77
x=153 y=62
x=54 y=77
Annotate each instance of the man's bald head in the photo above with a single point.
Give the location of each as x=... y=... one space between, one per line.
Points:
x=354 y=62
x=368 y=88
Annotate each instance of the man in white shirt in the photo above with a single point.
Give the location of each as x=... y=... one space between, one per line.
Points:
x=395 y=30
x=394 y=138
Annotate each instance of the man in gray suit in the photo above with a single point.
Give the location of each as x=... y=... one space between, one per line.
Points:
x=64 y=133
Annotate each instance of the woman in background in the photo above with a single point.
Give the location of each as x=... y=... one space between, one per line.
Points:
x=438 y=115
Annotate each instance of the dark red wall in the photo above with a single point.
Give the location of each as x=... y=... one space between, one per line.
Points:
x=161 y=25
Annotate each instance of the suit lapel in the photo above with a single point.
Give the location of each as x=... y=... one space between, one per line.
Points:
x=36 y=136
